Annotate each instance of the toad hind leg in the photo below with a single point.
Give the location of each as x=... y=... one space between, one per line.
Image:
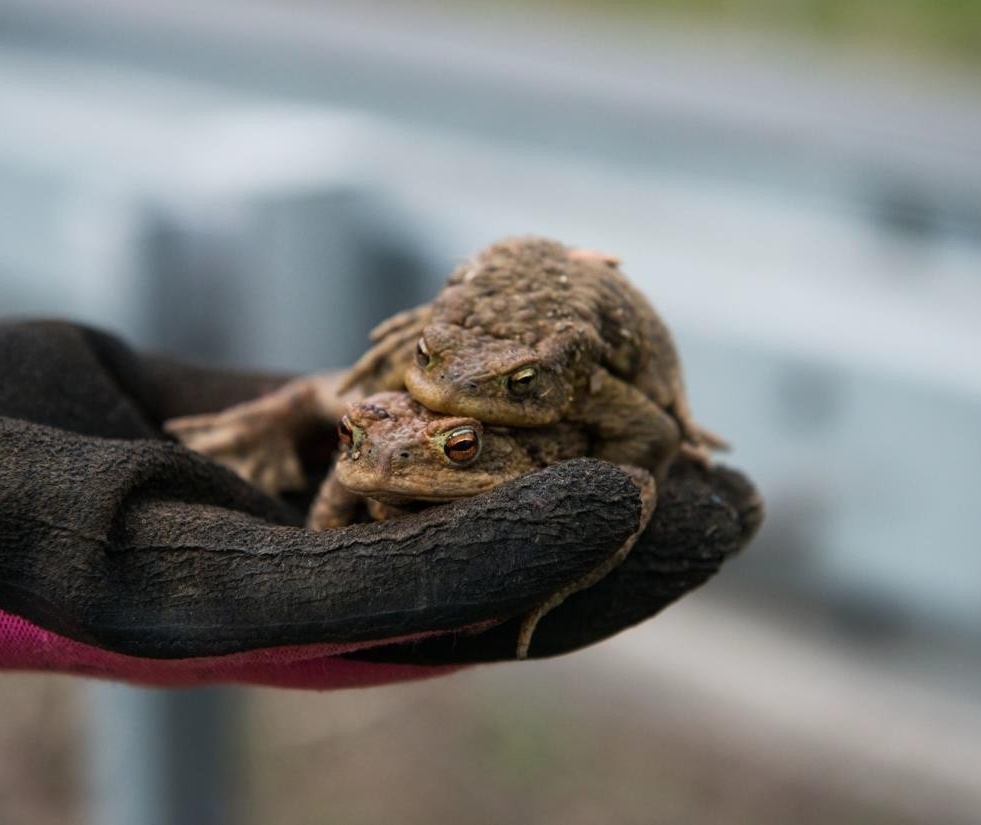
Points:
x=647 y=489
x=698 y=442
x=257 y=439
x=630 y=428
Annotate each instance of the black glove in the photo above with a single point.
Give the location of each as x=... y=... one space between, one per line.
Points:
x=112 y=536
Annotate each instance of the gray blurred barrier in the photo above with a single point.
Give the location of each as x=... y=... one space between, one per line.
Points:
x=165 y=757
x=890 y=142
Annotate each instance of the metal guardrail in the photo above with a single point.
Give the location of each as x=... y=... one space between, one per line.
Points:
x=884 y=136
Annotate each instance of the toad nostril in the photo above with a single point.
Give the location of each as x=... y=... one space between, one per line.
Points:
x=471 y=385
x=403 y=455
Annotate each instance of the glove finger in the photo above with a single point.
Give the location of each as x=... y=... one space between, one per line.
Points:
x=222 y=582
x=703 y=517
x=147 y=549
x=87 y=381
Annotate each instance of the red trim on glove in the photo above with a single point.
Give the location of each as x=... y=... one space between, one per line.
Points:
x=25 y=646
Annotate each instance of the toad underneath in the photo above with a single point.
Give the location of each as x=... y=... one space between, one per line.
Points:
x=397 y=455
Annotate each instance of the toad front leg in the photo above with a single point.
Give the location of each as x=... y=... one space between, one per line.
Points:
x=334 y=505
x=337 y=506
x=383 y=366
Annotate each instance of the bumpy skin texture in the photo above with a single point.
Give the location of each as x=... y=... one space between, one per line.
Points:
x=530 y=332
x=125 y=543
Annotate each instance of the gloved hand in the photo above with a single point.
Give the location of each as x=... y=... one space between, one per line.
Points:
x=126 y=556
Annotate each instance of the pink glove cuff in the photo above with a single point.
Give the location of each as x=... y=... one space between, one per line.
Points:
x=25 y=646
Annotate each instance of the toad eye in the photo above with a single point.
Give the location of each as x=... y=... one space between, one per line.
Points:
x=462 y=446
x=523 y=381
x=345 y=432
x=422 y=354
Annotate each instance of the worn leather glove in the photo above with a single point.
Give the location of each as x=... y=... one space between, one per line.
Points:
x=126 y=556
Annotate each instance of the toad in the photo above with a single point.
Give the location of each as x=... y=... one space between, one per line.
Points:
x=397 y=456
x=530 y=332
x=526 y=334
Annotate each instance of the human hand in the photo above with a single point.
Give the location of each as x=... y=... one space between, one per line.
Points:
x=127 y=556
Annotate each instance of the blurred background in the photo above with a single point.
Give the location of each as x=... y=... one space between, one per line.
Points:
x=796 y=186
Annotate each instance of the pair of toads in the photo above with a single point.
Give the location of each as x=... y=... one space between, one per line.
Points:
x=532 y=353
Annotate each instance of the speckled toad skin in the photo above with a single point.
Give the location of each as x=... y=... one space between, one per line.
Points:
x=395 y=451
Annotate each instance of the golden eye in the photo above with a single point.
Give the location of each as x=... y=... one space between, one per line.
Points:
x=462 y=446
x=422 y=354
x=345 y=432
x=522 y=382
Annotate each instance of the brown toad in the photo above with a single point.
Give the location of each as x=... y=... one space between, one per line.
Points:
x=526 y=334
x=395 y=451
x=399 y=455
x=530 y=332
